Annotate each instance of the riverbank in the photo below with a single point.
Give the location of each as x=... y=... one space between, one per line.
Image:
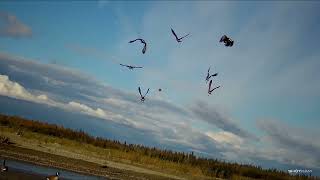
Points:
x=62 y=162
x=77 y=157
x=58 y=147
x=15 y=174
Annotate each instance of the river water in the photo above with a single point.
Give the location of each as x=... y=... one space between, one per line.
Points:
x=47 y=171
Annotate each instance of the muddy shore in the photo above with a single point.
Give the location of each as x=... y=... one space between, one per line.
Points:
x=56 y=161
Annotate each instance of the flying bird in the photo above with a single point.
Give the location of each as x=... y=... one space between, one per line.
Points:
x=227 y=41
x=175 y=35
x=143 y=42
x=130 y=67
x=209 y=76
x=210 y=90
x=142 y=97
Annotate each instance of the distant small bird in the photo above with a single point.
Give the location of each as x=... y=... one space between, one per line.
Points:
x=142 y=97
x=175 y=35
x=4 y=168
x=209 y=76
x=159 y=89
x=210 y=90
x=143 y=42
x=227 y=41
x=130 y=67
x=54 y=177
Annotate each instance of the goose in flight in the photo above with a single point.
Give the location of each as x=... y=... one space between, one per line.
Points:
x=130 y=67
x=175 y=35
x=209 y=76
x=210 y=90
x=143 y=42
x=142 y=97
x=227 y=41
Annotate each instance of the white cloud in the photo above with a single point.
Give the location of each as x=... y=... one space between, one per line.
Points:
x=15 y=90
x=42 y=97
x=226 y=137
x=83 y=108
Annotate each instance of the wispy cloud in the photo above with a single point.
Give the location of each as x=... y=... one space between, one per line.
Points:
x=294 y=145
x=13 y=27
x=204 y=112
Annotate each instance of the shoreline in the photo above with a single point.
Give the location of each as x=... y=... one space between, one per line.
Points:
x=15 y=174
x=69 y=164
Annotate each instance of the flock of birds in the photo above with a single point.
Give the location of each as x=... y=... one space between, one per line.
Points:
x=228 y=42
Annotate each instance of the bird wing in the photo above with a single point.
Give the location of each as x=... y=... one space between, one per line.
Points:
x=133 y=41
x=174 y=34
x=210 y=86
x=184 y=36
x=137 y=66
x=141 y=40
x=140 y=91
x=146 y=92
x=144 y=48
x=208 y=74
x=213 y=75
x=123 y=65
x=223 y=38
x=215 y=88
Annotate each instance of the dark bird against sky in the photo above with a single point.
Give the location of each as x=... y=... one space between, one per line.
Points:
x=209 y=89
x=209 y=76
x=143 y=42
x=227 y=41
x=175 y=35
x=142 y=97
x=130 y=67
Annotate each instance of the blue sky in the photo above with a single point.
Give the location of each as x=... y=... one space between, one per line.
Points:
x=66 y=55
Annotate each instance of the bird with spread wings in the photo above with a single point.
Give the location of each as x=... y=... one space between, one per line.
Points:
x=143 y=42
x=209 y=89
x=209 y=76
x=142 y=97
x=130 y=67
x=175 y=35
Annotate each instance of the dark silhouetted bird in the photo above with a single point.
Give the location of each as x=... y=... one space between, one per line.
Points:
x=175 y=35
x=130 y=67
x=142 y=97
x=143 y=42
x=227 y=41
x=209 y=76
